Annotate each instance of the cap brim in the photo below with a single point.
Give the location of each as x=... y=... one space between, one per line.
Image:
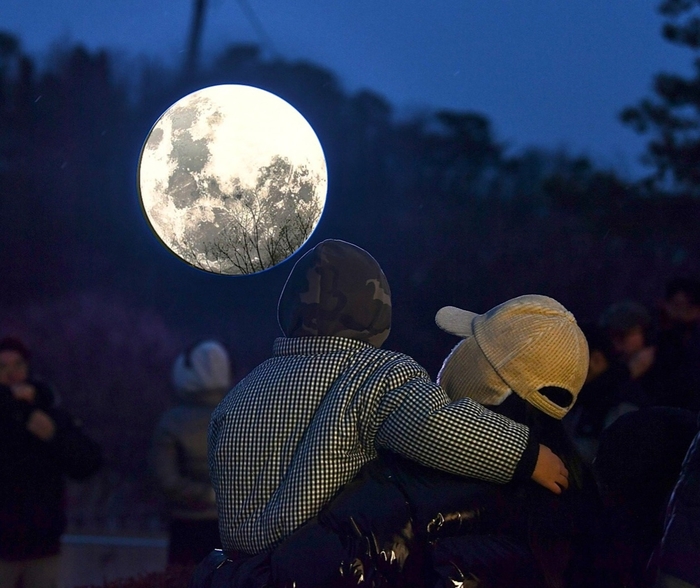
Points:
x=455 y=321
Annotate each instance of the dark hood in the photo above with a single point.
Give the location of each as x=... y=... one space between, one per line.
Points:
x=336 y=289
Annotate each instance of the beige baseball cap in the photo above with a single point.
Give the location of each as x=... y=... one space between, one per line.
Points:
x=523 y=345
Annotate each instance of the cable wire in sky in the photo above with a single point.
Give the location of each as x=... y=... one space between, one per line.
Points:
x=255 y=22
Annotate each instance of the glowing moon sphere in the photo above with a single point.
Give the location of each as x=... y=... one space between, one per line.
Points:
x=232 y=179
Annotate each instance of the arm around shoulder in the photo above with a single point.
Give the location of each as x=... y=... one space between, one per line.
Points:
x=420 y=422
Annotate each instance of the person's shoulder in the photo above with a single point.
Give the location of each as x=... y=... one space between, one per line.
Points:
x=388 y=356
x=388 y=353
x=401 y=358
x=399 y=368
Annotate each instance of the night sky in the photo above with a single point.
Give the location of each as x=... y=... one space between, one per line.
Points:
x=547 y=73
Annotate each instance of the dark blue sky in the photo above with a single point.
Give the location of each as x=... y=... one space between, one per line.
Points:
x=549 y=73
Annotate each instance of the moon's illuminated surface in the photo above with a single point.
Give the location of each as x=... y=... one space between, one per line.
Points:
x=232 y=179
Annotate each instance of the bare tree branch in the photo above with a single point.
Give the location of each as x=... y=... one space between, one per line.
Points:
x=263 y=225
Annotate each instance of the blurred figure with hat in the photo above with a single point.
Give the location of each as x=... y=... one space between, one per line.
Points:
x=201 y=377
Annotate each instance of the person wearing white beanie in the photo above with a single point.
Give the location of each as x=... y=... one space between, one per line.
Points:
x=201 y=376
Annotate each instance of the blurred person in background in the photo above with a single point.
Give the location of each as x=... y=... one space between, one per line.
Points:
x=600 y=393
x=679 y=342
x=201 y=377
x=627 y=325
x=676 y=561
x=40 y=444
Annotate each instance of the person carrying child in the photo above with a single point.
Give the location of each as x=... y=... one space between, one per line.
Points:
x=526 y=359
x=302 y=424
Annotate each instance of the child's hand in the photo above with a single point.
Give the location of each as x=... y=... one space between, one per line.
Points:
x=550 y=471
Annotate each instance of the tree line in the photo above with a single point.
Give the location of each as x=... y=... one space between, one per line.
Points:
x=449 y=212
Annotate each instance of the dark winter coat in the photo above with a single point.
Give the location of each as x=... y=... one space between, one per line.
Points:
x=32 y=505
x=679 y=552
x=678 y=360
x=638 y=464
x=201 y=376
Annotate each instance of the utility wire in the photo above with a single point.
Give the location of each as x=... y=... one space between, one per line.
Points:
x=254 y=21
x=195 y=40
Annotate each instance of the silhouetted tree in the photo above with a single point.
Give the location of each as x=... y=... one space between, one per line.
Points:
x=671 y=118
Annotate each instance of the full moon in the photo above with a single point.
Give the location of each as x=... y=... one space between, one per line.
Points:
x=232 y=179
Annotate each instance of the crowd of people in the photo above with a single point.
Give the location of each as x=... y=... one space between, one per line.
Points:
x=547 y=454
x=636 y=422
x=640 y=358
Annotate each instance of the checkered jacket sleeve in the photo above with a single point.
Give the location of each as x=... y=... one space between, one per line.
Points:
x=417 y=419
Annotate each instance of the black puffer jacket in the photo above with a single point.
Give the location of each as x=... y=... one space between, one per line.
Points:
x=679 y=553
x=638 y=463
x=32 y=505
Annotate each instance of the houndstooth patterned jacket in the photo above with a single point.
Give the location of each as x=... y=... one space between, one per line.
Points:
x=302 y=424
